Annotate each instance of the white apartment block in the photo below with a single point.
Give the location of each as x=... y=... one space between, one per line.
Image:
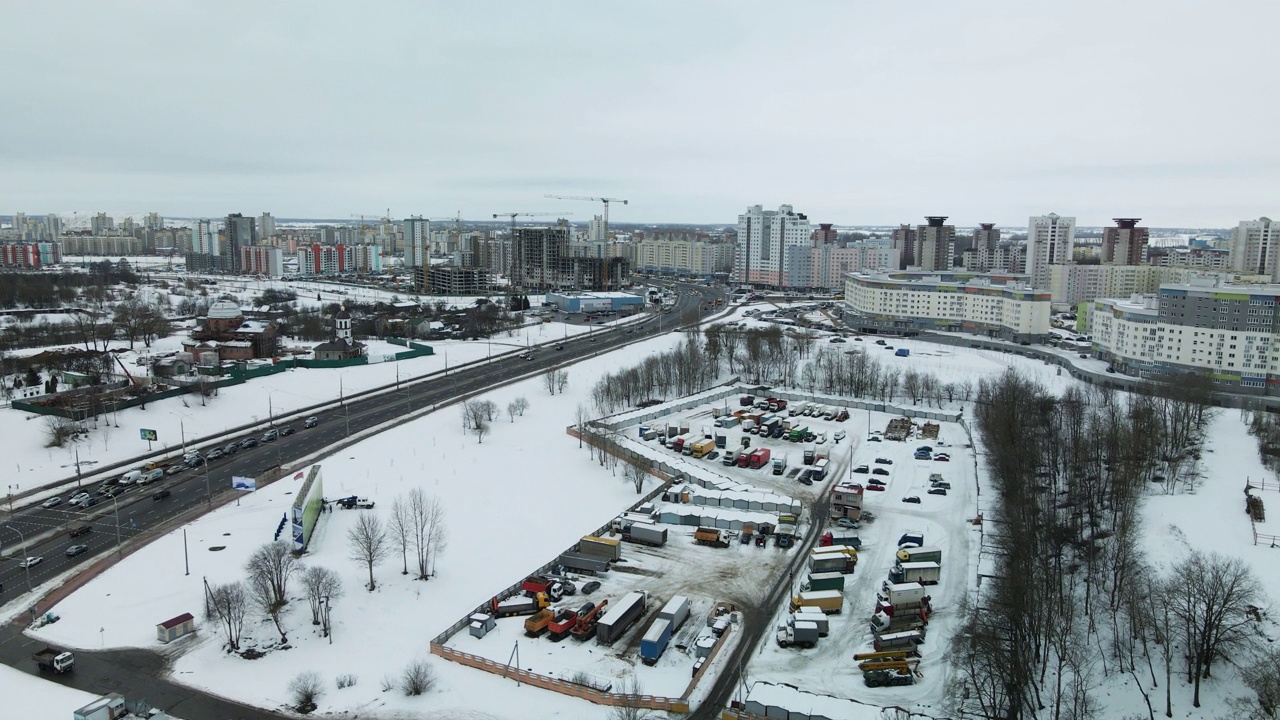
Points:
x=1049 y=242
x=204 y=239
x=1255 y=248
x=903 y=302
x=1071 y=284
x=417 y=241
x=596 y=229
x=763 y=239
x=824 y=266
x=1205 y=258
x=694 y=257
x=1228 y=331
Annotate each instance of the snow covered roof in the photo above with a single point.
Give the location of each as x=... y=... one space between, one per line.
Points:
x=252 y=326
x=224 y=310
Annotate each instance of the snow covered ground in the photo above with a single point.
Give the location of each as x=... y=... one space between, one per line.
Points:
x=499 y=498
x=29 y=696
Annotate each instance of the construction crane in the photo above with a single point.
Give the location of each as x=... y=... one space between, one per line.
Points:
x=517 y=292
x=604 y=200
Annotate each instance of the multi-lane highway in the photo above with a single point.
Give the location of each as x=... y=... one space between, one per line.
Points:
x=117 y=520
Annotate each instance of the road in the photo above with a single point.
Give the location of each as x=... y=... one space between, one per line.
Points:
x=134 y=673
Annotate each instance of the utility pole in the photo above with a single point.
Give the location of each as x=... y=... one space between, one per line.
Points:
x=186 y=559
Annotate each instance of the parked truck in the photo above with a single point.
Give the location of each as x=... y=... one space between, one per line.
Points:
x=779 y=464
x=585 y=626
x=711 y=536
x=833 y=538
x=888 y=678
x=908 y=640
x=620 y=618
x=519 y=605
x=731 y=457
x=798 y=433
x=703 y=447
x=810 y=452
x=920 y=554
x=537 y=623
x=655 y=641
x=676 y=610
x=759 y=458
x=562 y=624
x=830 y=602
x=797 y=632
x=601 y=547
x=817 y=617
x=52 y=660
x=903 y=597
x=819 y=470
x=912 y=620
x=721 y=440
x=645 y=534
x=925 y=573
x=584 y=564
x=832 y=563
x=824 y=581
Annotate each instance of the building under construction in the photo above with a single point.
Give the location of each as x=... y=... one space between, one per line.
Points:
x=541 y=262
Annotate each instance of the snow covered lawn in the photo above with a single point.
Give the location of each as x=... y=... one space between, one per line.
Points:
x=29 y=696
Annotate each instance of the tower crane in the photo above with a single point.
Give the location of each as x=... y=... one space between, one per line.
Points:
x=517 y=293
x=604 y=200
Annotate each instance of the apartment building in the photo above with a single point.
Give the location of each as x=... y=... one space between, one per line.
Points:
x=326 y=259
x=764 y=236
x=1206 y=325
x=262 y=260
x=689 y=256
x=1126 y=243
x=824 y=266
x=30 y=256
x=993 y=305
x=1206 y=258
x=1255 y=248
x=1050 y=239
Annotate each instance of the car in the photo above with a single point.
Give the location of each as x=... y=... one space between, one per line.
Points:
x=173 y=469
x=942 y=458
x=75 y=550
x=942 y=484
x=590 y=586
x=1024 y=342
x=216 y=454
x=161 y=495
x=52 y=502
x=837 y=339
x=30 y=561
x=863 y=469
x=847 y=523
x=840 y=435
x=91 y=501
x=269 y=436
x=874 y=438
x=876 y=486
x=1084 y=356
x=230 y=448
x=777 y=432
x=1110 y=369
x=193 y=461
x=880 y=342
x=112 y=492
x=883 y=461
x=249 y=443
x=311 y=422
x=287 y=431
x=924 y=449
x=937 y=491
x=713 y=455
x=79 y=498
x=761 y=540
x=912 y=499
x=822 y=438
x=880 y=471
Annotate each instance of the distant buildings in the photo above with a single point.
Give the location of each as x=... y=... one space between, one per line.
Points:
x=1255 y=248
x=542 y=262
x=1049 y=242
x=266 y=226
x=262 y=260
x=897 y=302
x=453 y=280
x=683 y=253
x=981 y=254
x=30 y=256
x=764 y=236
x=101 y=223
x=238 y=231
x=417 y=241
x=935 y=245
x=1125 y=244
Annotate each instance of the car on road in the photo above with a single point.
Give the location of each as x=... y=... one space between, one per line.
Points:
x=75 y=550
x=216 y=454
x=847 y=523
x=837 y=339
x=1084 y=356
x=874 y=438
x=590 y=586
x=192 y=461
x=231 y=448
x=249 y=443
x=937 y=491
x=942 y=458
x=173 y=469
x=310 y=422
x=912 y=499
x=942 y=484
x=30 y=561
x=287 y=431
x=924 y=448
x=559 y=347
x=161 y=495
x=81 y=530
x=52 y=502
x=879 y=471
x=79 y=498
x=876 y=486
x=863 y=469
x=269 y=436
x=883 y=461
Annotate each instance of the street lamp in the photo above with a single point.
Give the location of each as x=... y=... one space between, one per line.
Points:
x=11 y=489
x=342 y=400
x=23 y=540
x=115 y=507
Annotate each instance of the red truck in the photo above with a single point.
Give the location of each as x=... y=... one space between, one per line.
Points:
x=759 y=458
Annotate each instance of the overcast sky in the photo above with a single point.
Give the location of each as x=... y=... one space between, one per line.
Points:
x=853 y=112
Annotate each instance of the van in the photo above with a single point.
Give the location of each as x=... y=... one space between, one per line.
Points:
x=151 y=476
x=130 y=477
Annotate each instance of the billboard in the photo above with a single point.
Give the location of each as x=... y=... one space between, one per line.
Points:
x=244 y=483
x=147 y=434
x=306 y=508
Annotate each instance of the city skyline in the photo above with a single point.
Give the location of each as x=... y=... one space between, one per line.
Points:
x=1095 y=111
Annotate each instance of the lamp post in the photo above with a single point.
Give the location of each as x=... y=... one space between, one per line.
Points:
x=12 y=487
x=25 y=566
x=115 y=507
x=342 y=400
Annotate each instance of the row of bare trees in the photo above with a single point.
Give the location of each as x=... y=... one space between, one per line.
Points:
x=417 y=523
x=1072 y=597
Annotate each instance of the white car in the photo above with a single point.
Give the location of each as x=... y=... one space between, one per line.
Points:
x=840 y=435
x=79 y=498
x=30 y=562
x=52 y=502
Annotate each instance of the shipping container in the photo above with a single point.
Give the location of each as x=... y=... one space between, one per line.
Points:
x=620 y=617
x=601 y=547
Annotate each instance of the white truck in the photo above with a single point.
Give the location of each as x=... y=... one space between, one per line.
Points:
x=925 y=573
x=894 y=599
x=797 y=632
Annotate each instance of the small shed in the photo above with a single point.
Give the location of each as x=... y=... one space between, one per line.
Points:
x=174 y=628
x=481 y=624
x=107 y=707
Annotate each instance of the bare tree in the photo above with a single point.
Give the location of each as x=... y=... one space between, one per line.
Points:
x=368 y=543
x=1260 y=676
x=228 y=604
x=58 y=430
x=549 y=381
x=263 y=596
x=305 y=689
x=320 y=583
x=418 y=678
x=562 y=380
x=511 y=411
x=636 y=471
x=521 y=404
x=427 y=520
x=630 y=707
x=400 y=530
x=275 y=563
x=481 y=429
x=580 y=418
x=1212 y=599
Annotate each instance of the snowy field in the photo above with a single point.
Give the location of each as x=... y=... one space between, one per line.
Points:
x=30 y=696
x=497 y=534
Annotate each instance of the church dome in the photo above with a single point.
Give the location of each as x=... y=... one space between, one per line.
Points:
x=224 y=310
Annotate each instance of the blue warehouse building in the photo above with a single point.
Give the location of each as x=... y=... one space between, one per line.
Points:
x=595 y=301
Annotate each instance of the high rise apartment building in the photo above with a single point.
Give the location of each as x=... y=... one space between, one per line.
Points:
x=1049 y=242
x=1255 y=248
x=101 y=223
x=935 y=244
x=262 y=260
x=153 y=222
x=1125 y=244
x=981 y=254
x=417 y=241
x=542 y=262
x=903 y=240
x=204 y=239
x=764 y=237
x=597 y=231
x=266 y=226
x=239 y=231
